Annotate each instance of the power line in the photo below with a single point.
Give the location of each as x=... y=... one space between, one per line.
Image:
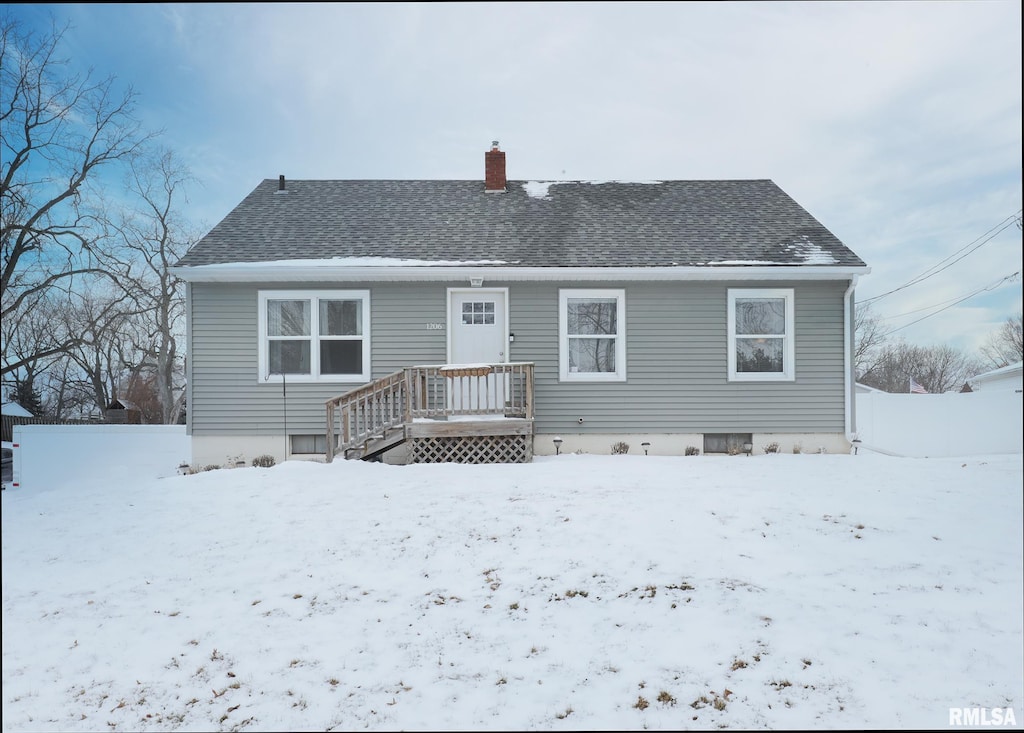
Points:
x=957 y=298
x=935 y=269
x=956 y=302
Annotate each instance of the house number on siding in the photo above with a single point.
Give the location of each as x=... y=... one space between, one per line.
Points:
x=435 y=326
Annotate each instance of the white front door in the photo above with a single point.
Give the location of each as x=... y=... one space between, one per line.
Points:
x=478 y=334
x=477 y=325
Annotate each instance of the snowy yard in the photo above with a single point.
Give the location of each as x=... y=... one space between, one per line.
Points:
x=573 y=593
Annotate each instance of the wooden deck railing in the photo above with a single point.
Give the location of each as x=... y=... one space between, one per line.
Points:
x=431 y=392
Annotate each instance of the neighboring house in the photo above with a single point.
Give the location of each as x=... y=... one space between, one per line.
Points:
x=123 y=411
x=14 y=410
x=1009 y=377
x=865 y=389
x=703 y=314
x=11 y=414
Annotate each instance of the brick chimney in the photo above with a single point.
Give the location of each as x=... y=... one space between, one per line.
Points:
x=494 y=170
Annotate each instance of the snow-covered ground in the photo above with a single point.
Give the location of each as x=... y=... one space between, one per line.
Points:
x=577 y=592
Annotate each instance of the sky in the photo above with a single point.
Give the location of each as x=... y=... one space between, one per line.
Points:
x=896 y=124
x=576 y=592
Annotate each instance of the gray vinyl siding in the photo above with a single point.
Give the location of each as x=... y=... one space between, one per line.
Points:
x=677 y=364
x=676 y=352
x=227 y=396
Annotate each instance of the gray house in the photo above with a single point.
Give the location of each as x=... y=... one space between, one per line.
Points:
x=496 y=319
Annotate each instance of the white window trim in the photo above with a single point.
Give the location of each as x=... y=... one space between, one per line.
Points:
x=619 y=375
x=314 y=296
x=789 y=340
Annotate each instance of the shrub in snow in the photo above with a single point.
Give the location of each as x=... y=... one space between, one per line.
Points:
x=620 y=448
x=264 y=461
x=692 y=450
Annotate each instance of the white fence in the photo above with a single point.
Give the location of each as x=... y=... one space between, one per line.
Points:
x=49 y=456
x=969 y=423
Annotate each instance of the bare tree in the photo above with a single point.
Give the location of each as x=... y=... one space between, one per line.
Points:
x=1005 y=346
x=870 y=337
x=59 y=131
x=41 y=324
x=96 y=356
x=154 y=237
x=937 y=368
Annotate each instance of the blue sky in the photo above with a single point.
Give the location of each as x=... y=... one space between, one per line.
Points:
x=897 y=125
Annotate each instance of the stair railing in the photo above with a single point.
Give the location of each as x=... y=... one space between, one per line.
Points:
x=439 y=391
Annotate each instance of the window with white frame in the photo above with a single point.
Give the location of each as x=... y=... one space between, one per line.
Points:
x=321 y=335
x=761 y=341
x=592 y=335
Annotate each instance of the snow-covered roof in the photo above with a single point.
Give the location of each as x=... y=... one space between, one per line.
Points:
x=1017 y=368
x=15 y=410
x=734 y=225
x=1007 y=377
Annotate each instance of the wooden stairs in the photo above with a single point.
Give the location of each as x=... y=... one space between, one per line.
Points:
x=463 y=413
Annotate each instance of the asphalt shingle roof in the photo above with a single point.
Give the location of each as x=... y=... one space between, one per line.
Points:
x=577 y=224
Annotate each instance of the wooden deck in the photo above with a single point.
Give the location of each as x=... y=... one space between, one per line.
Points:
x=464 y=413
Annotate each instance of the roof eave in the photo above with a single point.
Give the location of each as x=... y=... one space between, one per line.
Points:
x=283 y=272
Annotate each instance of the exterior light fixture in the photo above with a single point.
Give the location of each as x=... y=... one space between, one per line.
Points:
x=748 y=448
x=558 y=445
x=645 y=445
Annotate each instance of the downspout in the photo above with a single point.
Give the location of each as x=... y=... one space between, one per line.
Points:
x=190 y=413
x=850 y=424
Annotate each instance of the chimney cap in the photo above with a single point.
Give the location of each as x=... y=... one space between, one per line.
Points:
x=494 y=145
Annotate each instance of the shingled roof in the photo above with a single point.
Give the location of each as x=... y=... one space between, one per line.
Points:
x=731 y=223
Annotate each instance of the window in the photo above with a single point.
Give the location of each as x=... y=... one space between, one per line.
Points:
x=761 y=335
x=731 y=443
x=592 y=335
x=315 y=335
x=478 y=314
x=309 y=444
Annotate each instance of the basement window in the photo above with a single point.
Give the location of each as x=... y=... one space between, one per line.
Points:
x=309 y=444
x=731 y=443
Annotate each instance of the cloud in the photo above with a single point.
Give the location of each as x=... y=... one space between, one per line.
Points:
x=898 y=125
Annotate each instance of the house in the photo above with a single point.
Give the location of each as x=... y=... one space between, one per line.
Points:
x=11 y=414
x=1010 y=377
x=14 y=410
x=866 y=389
x=669 y=314
x=123 y=411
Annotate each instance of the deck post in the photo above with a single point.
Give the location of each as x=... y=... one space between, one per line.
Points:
x=407 y=406
x=528 y=374
x=346 y=430
x=330 y=431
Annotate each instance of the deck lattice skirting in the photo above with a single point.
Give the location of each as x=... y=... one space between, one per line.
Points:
x=469 y=413
x=473 y=449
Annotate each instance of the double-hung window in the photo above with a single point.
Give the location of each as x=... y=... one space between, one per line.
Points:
x=592 y=335
x=319 y=335
x=761 y=342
